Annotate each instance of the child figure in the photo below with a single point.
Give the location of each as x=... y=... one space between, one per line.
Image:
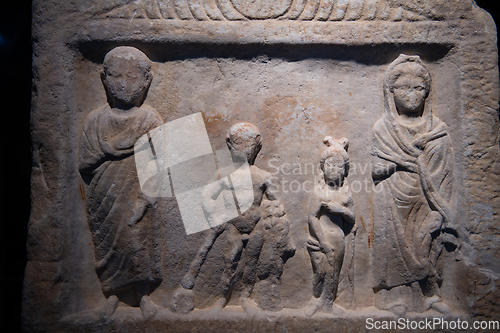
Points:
x=330 y=217
x=242 y=236
x=125 y=238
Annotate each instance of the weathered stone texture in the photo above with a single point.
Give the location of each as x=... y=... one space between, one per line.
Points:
x=297 y=71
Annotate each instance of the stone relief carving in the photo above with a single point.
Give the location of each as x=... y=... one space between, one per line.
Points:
x=304 y=10
x=412 y=165
x=125 y=237
x=262 y=9
x=104 y=236
x=255 y=244
x=412 y=168
x=331 y=217
x=276 y=248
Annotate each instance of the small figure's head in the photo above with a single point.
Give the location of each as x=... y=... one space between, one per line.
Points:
x=126 y=76
x=244 y=142
x=334 y=161
x=410 y=83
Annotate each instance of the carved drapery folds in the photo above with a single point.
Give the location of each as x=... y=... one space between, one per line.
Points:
x=412 y=165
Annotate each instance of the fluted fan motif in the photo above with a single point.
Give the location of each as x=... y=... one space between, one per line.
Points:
x=305 y=10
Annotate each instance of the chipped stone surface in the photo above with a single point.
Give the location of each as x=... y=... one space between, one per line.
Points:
x=298 y=71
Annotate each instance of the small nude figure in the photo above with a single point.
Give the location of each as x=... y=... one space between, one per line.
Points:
x=242 y=239
x=124 y=236
x=330 y=218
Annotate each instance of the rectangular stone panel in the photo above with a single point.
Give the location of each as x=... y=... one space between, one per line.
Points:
x=229 y=165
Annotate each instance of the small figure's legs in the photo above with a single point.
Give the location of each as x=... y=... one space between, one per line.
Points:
x=250 y=259
x=319 y=265
x=249 y=306
x=233 y=267
x=326 y=269
x=218 y=305
x=313 y=305
x=183 y=298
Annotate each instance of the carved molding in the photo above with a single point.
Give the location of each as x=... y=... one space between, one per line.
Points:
x=301 y=10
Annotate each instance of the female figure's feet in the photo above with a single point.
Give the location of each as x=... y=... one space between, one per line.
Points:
x=436 y=303
x=399 y=309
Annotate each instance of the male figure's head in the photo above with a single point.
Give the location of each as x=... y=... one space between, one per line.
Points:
x=244 y=142
x=334 y=161
x=126 y=76
x=410 y=84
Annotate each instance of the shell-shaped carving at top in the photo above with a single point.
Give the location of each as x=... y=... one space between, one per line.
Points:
x=262 y=9
x=304 y=10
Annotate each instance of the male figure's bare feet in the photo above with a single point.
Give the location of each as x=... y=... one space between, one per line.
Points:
x=148 y=308
x=109 y=308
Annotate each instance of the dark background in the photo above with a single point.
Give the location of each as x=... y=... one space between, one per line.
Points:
x=15 y=153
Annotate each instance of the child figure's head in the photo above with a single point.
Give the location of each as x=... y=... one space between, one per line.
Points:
x=126 y=76
x=244 y=142
x=334 y=161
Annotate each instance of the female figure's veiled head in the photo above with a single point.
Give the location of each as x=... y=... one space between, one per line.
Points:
x=409 y=83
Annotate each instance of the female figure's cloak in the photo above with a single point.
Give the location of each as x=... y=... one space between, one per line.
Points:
x=413 y=193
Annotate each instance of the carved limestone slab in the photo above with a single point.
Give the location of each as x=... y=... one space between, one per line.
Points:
x=289 y=165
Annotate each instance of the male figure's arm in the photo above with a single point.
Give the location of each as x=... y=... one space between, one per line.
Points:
x=270 y=188
x=90 y=154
